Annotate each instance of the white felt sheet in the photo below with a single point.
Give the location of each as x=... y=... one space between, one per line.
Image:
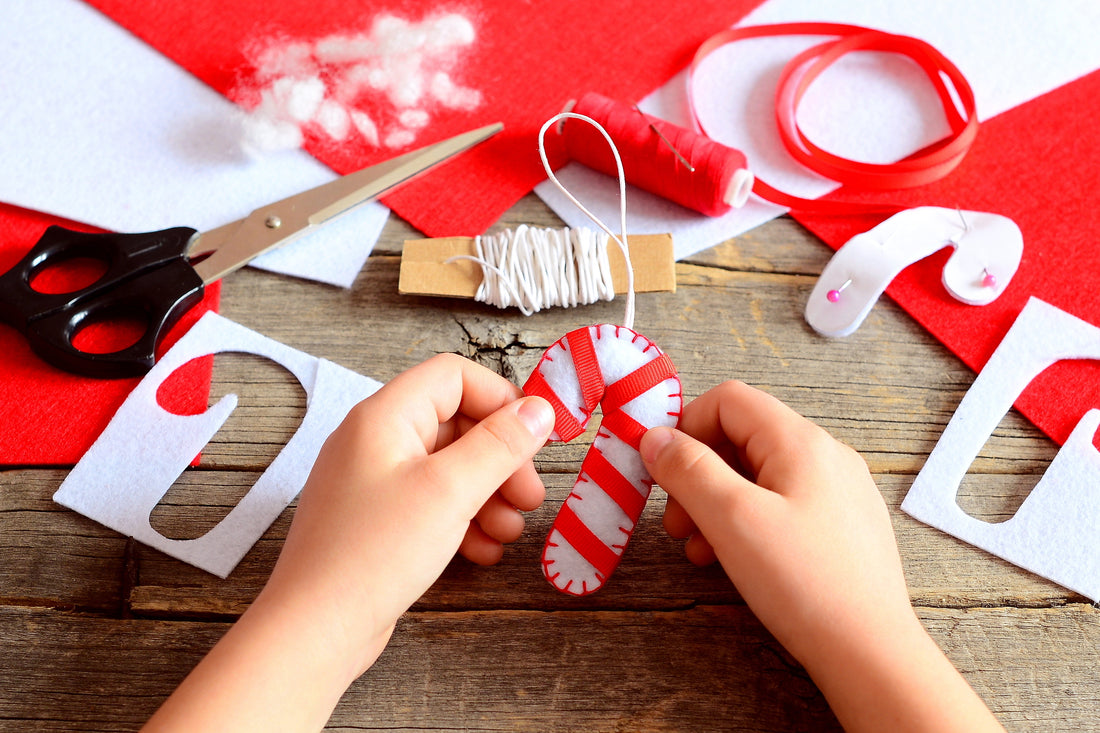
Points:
x=144 y=449
x=100 y=128
x=1010 y=52
x=1054 y=533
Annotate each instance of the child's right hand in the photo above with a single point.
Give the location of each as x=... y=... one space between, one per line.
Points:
x=801 y=529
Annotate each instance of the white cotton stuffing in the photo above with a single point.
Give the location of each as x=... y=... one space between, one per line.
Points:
x=317 y=84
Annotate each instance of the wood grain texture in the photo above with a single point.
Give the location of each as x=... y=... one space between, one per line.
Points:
x=95 y=629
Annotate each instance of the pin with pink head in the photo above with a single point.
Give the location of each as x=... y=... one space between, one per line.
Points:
x=834 y=295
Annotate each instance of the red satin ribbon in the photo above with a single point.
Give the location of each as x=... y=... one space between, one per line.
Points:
x=925 y=166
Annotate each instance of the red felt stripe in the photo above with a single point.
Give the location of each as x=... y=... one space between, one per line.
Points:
x=607 y=477
x=626 y=428
x=584 y=541
x=565 y=424
x=637 y=382
x=587 y=366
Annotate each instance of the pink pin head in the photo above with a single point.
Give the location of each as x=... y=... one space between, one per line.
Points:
x=834 y=295
x=989 y=280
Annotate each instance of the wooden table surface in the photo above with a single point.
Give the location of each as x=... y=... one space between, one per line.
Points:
x=95 y=629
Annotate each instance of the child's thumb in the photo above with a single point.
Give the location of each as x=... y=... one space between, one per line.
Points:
x=486 y=455
x=695 y=476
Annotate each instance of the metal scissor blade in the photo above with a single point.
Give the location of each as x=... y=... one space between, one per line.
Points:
x=234 y=244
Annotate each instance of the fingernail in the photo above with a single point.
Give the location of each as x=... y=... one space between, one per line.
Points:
x=653 y=442
x=536 y=415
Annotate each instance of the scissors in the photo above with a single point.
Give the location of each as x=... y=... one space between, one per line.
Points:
x=156 y=277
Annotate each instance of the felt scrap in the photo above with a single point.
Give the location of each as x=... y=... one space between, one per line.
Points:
x=145 y=448
x=48 y=416
x=99 y=127
x=987 y=251
x=1053 y=533
x=527 y=63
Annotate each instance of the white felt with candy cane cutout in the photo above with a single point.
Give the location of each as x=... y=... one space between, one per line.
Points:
x=619 y=352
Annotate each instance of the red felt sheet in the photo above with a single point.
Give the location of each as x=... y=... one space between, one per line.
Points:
x=528 y=61
x=51 y=417
x=1039 y=164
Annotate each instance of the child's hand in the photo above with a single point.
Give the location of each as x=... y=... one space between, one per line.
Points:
x=802 y=531
x=806 y=537
x=436 y=462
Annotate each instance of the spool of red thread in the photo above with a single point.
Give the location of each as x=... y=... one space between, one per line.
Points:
x=651 y=151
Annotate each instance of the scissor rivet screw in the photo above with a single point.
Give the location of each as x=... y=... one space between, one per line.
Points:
x=273 y=222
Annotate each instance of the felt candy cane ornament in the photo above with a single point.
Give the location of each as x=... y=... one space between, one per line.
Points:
x=637 y=387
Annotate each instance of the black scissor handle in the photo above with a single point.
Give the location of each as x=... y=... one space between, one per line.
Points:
x=147 y=277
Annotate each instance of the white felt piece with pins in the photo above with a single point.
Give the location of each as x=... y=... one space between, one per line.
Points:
x=988 y=248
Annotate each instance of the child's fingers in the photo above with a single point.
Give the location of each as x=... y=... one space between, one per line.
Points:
x=677 y=522
x=699 y=551
x=480 y=548
x=500 y=520
x=774 y=442
x=428 y=396
x=524 y=489
x=714 y=496
x=486 y=455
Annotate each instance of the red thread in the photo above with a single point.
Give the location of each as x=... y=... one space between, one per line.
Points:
x=651 y=150
x=924 y=166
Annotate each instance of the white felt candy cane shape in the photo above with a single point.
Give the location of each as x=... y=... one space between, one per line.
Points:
x=637 y=387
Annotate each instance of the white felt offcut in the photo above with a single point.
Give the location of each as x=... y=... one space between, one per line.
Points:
x=102 y=129
x=1007 y=62
x=144 y=449
x=988 y=248
x=1055 y=530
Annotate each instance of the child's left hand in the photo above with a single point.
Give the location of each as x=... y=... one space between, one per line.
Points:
x=436 y=462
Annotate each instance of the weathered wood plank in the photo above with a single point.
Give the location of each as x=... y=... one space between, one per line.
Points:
x=498 y=648
x=53 y=557
x=705 y=668
x=940 y=570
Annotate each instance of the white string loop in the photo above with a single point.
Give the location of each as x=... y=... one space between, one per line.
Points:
x=628 y=317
